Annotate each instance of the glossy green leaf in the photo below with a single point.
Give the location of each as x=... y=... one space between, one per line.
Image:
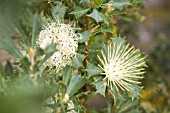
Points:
x=96 y=16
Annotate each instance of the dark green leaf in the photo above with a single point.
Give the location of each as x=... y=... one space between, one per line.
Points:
x=9 y=70
x=25 y=65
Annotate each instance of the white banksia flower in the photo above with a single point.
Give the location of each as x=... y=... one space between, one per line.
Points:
x=66 y=40
x=123 y=66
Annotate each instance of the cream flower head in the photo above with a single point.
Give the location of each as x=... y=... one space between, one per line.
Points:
x=66 y=40
x=123 y=66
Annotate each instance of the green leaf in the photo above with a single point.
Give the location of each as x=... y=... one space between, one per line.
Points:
x=2 y=73
x=118 y=40
x=80 y=13
x=110 y=105
x=78 y=60
x=136 y=1
x=85 y=1
x=93 y=70
x=36 y=27
x=9 y=70
x=135 y=111
x=116 y=95
x=105 y=18
x=66 y=75
x=97 y=3
x=75 y=84
x=124 y=106
x=101 y=87
x=117 y=12
x=96 y=16
x=85 y=36
x=25 y=65
x=120 y=3
x=49 y=51
x=134 y=91
x=58 y=11
x=9 y=46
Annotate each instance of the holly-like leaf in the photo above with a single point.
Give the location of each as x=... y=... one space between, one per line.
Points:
x=118 y=40
x=120 y=3
x=134 y=91
x=80 y=13
x=75 y=84
x=78 y=60
x=58 y=11
x=96 y=16
x=93 y=70
x=85 y=36
x=101 y=87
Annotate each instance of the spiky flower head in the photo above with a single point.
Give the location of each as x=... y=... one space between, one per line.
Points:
x=123 y=66
x=66 y=40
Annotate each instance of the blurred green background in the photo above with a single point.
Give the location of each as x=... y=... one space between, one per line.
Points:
x=148 y=28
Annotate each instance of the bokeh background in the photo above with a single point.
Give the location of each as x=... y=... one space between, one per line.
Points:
x=148 y=28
